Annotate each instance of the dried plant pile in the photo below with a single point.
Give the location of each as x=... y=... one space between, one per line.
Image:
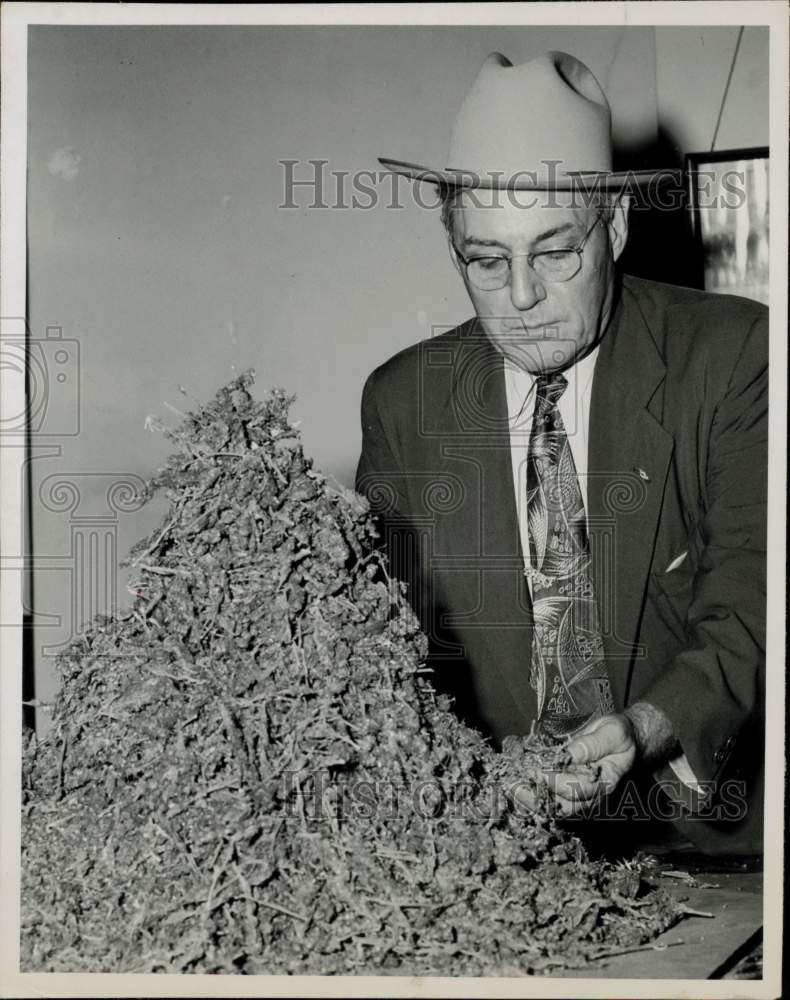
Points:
x=248 y=771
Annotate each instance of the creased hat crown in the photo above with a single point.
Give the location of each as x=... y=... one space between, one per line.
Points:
x=516 y=119
x=544 y=124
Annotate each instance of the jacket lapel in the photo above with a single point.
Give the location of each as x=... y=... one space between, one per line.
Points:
x=480 y=402
x=476 y=448
x=629 y=455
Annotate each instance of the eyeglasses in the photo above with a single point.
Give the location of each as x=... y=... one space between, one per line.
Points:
x=490 y=272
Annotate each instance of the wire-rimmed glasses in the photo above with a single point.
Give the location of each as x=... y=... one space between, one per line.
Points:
x=490 y=272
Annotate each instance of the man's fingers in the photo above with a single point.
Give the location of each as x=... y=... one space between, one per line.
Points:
x=607 y=738
x=573 y=786
x=565 y=792
x=612 y=770
x=591 y=726
x=583 y=749
x=570 y=788
x=601 y=753
x=576 y=794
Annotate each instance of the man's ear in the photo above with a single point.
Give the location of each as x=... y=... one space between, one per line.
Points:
x=618 y=225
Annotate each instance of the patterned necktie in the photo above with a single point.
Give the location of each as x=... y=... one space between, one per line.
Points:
x=567 y=669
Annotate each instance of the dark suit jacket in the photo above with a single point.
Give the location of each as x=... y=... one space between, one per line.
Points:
x=677 y=463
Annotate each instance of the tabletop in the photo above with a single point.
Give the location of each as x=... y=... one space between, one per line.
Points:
x=698 y=947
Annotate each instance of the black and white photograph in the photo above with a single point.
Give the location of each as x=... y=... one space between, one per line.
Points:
x=393 y=499
x=732 y=232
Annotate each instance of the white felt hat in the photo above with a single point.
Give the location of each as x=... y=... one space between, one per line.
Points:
x=543 y=125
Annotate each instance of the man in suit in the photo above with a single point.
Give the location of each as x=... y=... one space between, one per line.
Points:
x=573 y=484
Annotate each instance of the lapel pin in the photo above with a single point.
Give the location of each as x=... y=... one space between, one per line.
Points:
x=642 y=474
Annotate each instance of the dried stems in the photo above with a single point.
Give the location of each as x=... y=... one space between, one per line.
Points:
x=248 y=770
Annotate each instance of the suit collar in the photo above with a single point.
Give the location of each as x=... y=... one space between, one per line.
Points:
x=629 y=351
x=629 y=455
x=627 y=393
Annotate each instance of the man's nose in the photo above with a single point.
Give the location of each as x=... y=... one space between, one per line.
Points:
x=526 y=289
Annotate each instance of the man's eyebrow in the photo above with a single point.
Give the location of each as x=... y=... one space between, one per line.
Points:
x=479 y=242
x=556 y=231
x=542 y=237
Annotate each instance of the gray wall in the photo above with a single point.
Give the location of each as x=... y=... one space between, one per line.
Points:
x=157 y=248
x=691 y=71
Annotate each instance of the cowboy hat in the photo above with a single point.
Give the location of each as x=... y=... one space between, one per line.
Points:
x=543 y=125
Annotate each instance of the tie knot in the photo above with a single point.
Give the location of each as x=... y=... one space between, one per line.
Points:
x=551 y=387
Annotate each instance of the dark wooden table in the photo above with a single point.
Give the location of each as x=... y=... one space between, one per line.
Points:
x=697 y=947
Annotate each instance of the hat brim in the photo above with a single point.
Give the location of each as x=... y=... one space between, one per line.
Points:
x=612 y=180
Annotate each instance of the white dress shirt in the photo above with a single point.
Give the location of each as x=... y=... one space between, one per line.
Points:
x=574 y=407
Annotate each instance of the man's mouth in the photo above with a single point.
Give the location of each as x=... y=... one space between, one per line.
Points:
x=530 y=328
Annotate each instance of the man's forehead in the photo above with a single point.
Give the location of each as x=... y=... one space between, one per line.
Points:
x=475 y=217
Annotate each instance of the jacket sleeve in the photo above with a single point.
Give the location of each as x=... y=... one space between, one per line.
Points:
x=382 y=478
x=379 y=470
x=713 y=690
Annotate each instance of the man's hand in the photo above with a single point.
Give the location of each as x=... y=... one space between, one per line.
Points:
x=602 y=754
x=610 y=746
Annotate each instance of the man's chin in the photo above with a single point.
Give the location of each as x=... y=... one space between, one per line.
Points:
x=539 y=357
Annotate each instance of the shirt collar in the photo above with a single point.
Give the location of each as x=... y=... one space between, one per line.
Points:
x=520 y=383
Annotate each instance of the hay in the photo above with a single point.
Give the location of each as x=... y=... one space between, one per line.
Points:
x=248 y=771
